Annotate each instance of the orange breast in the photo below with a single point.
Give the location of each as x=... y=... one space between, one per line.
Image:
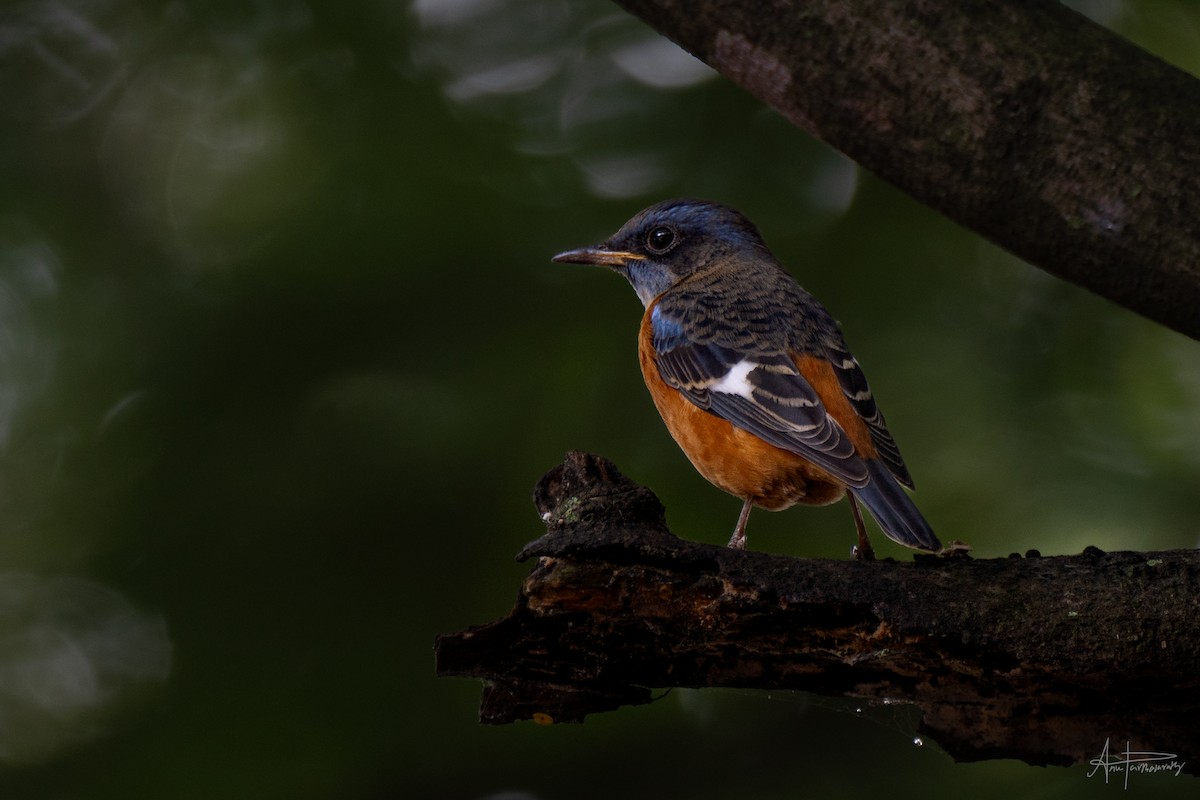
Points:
x=731 y=458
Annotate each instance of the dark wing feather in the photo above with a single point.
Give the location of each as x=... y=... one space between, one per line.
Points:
x=763 y=393
x=854 y=386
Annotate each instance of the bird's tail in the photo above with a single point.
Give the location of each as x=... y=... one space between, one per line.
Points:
x=891 y=507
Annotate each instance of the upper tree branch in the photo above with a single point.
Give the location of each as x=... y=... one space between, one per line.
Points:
x=1020 y=119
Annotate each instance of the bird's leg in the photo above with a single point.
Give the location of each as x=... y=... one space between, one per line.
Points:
x=863 y=550
x=738 y=540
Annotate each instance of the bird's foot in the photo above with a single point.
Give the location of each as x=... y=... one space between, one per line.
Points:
x=738 y=540
x=863 y=550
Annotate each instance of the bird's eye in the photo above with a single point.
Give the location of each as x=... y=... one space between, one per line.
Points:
x=660 y=239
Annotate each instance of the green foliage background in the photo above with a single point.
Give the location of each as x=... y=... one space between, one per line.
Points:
x=282 y=356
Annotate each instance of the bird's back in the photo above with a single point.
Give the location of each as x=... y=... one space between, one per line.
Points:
x=752 y=305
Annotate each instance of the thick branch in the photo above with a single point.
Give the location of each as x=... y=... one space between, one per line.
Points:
x=1020 y=119
x=1032 y=658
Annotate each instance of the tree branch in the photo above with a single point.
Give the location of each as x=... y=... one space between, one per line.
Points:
x=1035 y=658
x=1020 y=119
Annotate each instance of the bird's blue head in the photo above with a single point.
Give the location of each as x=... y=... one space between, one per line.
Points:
x=669 y=241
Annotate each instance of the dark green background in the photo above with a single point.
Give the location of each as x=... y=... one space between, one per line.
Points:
x=282 y=355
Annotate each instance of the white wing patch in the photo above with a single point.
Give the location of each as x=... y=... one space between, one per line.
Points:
x=735 y=381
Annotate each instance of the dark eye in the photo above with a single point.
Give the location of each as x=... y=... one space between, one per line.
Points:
x=660 y=239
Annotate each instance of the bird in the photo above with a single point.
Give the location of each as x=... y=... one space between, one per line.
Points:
x=752 y=375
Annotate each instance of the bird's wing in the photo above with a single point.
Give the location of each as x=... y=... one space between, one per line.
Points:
x=761 y=392
x=854 y=386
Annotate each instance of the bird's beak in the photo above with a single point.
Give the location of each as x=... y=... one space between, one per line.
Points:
x=599 y=255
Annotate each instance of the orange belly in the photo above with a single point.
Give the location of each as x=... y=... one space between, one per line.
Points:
x=732 y=459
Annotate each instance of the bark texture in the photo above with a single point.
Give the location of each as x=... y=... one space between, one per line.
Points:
x=1020 y=119
x=1035 y=658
